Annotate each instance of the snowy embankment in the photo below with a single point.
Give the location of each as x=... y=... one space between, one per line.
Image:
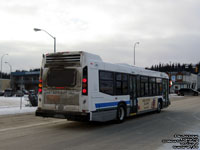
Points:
x=15 y=105
x=175 y=97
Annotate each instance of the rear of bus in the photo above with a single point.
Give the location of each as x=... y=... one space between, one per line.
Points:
x=63 y=86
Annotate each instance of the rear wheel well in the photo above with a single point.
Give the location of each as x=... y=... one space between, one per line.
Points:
x=124 y=104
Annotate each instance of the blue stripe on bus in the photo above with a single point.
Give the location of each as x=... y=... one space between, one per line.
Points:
x=109 y=104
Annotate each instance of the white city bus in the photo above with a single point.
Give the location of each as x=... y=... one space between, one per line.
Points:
x=80 y=86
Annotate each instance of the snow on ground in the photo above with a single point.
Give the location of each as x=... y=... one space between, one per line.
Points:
x=15 y=105
x=175 y=96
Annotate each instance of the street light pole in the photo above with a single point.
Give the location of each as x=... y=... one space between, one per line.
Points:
x=1 y=63
x=54 y=38
x=10 y=68
x=134 y=50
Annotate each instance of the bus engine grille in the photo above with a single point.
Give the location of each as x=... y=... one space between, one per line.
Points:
x=55 y=59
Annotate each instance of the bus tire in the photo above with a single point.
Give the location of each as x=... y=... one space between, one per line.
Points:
x=121 y=113
x=159 y=107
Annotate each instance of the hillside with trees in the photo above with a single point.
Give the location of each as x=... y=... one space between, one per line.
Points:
x=176 y=67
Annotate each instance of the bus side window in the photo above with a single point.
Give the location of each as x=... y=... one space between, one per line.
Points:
x=134 y=87
x=138 y=86
x=144 y=86
x=159 y=86
x=118 y=83
x=130 y=84
x=118 y=88
x=142 y=89
x=121 y=84
x=154 y=89
x=152 y=86
x=106 y=84
x=125 y=84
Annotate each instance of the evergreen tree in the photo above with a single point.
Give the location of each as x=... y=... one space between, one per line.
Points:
x=176 y=67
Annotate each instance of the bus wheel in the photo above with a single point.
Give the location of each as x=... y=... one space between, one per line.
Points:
x=121 y=113
x=159 y=107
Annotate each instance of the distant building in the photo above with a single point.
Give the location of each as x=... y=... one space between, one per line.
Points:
x=183 y=80
x=4 y=84
x=25 y=80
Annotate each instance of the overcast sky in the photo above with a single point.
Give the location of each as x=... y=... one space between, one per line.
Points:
x=168 y=30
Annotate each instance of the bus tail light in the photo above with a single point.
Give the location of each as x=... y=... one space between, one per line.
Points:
x=40 y=86
x=85 y=81
x=84 y=91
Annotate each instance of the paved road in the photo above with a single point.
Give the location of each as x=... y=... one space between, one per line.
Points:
x=27 y=132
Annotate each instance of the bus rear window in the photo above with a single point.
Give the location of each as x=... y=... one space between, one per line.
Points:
x=61 y=77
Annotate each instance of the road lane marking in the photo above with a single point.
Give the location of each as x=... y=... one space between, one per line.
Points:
x=31 y=125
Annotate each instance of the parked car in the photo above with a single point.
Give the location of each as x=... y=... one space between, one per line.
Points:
x=187 y=91
x=25 y=92
x=31 y=92
x=19 y=93
x=1 y=93
x=8 y=92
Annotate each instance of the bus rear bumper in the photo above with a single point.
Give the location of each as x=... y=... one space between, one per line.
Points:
x=74 y=116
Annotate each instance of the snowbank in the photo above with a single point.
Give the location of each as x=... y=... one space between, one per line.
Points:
x=15 y=105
